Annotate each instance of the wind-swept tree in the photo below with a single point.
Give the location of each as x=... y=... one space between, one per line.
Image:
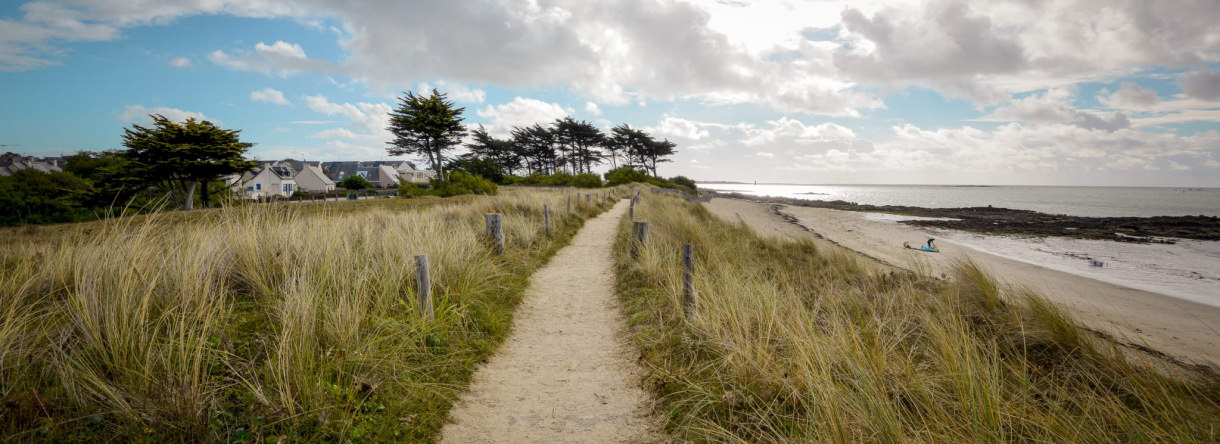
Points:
x=656 y=151
x=581 y=140
x=502 y=152
x=427 y=126
x=181 y=156
x=633 y=143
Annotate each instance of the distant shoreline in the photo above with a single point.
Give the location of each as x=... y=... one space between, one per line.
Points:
x=1007 y=221
x=730 y=182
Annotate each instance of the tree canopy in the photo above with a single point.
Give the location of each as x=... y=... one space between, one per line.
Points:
x=354 y=182
x=566 y=146
x=426 y=125
x=180 y=156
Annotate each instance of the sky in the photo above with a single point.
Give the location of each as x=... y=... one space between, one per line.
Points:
x=1018 y=92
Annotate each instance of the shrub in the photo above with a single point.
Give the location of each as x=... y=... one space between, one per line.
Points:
x=624 y=175
x=354 y=183
x=684 y=181
x=586 y=180
x=483 y=167
x=408 y=189
x=461 y=183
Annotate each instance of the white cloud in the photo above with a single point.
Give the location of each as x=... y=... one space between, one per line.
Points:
x=138 y=114
x=280 y=58
x=181 y=63
x=1129 y=96
x=365 y=130
x=987 y=50
x=1202 y=85
x=520 y=112
x=269 y=95
x=1053 y=107
x=455 y=91
x=670 y=126
x=592 y=109
x=794 y=131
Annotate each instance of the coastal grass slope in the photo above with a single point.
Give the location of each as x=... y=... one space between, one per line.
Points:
x=789 y=343
x=262 y=323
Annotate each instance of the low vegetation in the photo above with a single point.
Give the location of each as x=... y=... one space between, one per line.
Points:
x=262 y=323
x=789 y=343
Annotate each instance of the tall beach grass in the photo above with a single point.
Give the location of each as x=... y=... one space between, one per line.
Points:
x=261 y=323
x=789 y=343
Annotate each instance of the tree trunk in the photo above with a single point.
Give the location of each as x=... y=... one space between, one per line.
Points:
x=189 y=202
x=440 y=169
x=204 y=195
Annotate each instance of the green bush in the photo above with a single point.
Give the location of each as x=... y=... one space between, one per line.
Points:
x=30 y=196
x=459 y=183
x=586 y=180
x=625 y=175
x=408 y=189
x=684 y=181
x=354 y=182
x=483 y=167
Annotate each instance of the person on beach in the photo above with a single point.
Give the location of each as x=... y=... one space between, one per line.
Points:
x=930 y=245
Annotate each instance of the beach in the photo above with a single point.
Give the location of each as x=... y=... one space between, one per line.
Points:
x=1185 y=330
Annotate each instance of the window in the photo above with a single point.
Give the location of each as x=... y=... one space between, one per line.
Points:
x=287 y=188
x=249 y=188
x=258 y=186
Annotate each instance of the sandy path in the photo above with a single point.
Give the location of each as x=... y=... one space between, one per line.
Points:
x=567 y=373
x=1185 y=330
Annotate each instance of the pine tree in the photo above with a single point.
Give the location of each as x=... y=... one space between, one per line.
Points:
x=181 y=156
x=427 y=126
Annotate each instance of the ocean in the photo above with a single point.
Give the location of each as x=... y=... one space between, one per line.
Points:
x=1188 y=270
x=1075 y=201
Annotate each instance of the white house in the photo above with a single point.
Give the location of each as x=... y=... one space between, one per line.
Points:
x=270 y=181
x=311 y=178
x=416 y=176
x=407 y=173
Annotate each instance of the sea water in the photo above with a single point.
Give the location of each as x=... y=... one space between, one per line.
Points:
x=1075 y=201
x=1189 y=269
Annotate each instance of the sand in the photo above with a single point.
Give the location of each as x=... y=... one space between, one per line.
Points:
x=1186 y=331
x=567 y=373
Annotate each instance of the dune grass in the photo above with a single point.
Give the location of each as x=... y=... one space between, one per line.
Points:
x=788 y=343
x=262 y=323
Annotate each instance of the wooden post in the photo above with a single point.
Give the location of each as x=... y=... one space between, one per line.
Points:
x=495 y=230
x=631 y=209
x=641 y=238
x=588 y=198
x=423 y=286
x=546 y=216
x=688 y=280
x=569 y=204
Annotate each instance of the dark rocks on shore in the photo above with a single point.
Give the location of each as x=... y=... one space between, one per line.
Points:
x=994 y=220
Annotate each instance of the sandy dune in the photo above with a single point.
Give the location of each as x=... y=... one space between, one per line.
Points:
x=567 y=373
x=1185 y=330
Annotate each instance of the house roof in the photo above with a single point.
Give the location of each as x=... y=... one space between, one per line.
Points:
x=318 y=171
x=370 y=173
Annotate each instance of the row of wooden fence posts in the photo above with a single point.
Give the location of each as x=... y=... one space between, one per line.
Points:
x=494 y=230
x=640 y=238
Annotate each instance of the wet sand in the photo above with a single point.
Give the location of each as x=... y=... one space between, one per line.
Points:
x=1184 y=330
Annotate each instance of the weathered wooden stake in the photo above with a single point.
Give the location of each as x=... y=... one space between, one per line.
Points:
x=569 y=204
x=631 y=209
x=423 y=286
x=641 y=238
x=495 y=230
x=688 y=280
x=546 y=216
x=588 y=198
